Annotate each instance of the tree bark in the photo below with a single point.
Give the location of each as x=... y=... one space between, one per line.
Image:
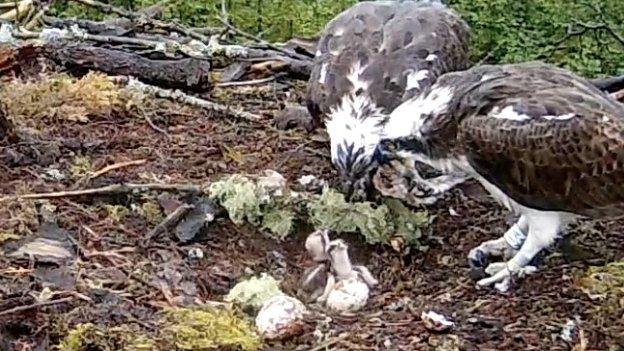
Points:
x=187 y=74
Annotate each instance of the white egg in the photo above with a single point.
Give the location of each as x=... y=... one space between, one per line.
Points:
x=349 y=295
x=280 y=317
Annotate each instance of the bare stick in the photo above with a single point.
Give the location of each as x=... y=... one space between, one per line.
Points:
x=246 y=82
x=117 y=166
x=172 y=219
x=35 y=305
x=261 y=41
x=180 y=97
x=176 y=27
x=109 y=189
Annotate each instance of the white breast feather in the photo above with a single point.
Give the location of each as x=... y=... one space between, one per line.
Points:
x=347 y=126
x=355 y=77
x=407 y=119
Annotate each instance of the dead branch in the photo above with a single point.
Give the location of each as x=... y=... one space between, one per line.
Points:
x=35 y=305
x=190 y=73
x=117 y=166
x=180 y=97
x=288 y=53
x=123 y=188
x=144 y=20
x=246 y=82
x=108 y=9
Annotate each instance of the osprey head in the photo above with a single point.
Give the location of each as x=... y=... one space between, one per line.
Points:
x=355 y=127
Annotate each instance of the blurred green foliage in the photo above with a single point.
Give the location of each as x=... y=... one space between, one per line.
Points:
x=504 y=31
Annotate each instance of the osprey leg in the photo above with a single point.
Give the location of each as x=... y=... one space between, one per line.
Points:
x=505 y=246
x=543 y=228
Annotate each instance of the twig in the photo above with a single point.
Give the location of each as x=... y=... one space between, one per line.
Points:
x=106 y=8
x=173 y=218
x=176 y=27
x=35 y=305
x=116 y=166
x=603 y=26
x=261 y=41
x=246 y=82
x=181 y=97
x=109 y=189
x=154 y=126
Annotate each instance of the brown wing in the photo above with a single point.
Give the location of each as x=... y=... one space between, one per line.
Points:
x=391 y=40
x=550 y=160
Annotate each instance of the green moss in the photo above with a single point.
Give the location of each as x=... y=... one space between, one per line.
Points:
x=605 y=283
x=81 y=166
x=116 y=213
x=208 y=329
x=178 y=329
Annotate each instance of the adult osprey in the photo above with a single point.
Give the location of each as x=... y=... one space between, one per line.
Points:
x=369 y=59
x=544 y=142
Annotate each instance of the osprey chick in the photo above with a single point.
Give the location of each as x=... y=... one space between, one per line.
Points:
x=369 y=59
x=544 y=142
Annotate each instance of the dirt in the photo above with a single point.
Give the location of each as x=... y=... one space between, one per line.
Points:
x=113 y=281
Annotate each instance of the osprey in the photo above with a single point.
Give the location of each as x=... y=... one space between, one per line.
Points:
x=544 y=142
x=369 y=59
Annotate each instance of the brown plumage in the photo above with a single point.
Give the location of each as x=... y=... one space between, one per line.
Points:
x=369 y=59
x=543 y=141
x=390 y=39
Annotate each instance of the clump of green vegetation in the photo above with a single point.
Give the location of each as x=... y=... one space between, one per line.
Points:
x=378 y=224
x=117 y=212
x=251 y=294
x=510 y=31
x=151 y=211
x=207 y=329
x=179 y=329
x=275 y=209
x=60 y=97
x=607 y=284
x=89 y=336
x=269 y=207
x=80 y=167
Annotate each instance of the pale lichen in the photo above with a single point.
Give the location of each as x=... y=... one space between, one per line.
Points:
x=269 y=204
x=263 y=203
x=251 y=294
